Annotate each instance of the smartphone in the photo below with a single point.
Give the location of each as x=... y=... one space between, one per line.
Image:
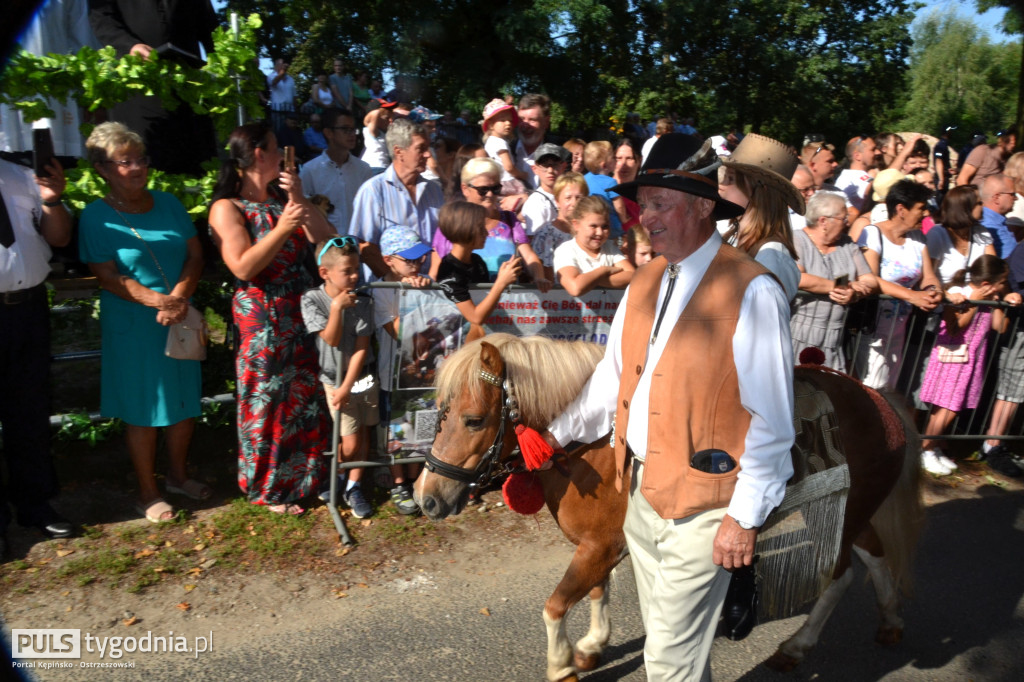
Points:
x=42 y=151
x=175 y=53
x=289 y=157
x=713 y=461
x=842 y=280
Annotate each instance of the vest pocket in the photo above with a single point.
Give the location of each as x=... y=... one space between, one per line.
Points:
x=701 y=491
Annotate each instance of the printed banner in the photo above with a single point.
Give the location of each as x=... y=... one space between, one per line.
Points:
x=432 y=328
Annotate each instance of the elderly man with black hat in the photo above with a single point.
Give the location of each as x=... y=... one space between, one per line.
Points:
x=701 y=394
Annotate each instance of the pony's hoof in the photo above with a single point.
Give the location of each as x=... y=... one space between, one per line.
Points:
x=781 y=662
x=888 y=636
x=586 y=662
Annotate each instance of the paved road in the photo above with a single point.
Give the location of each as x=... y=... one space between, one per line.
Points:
x=966 y=621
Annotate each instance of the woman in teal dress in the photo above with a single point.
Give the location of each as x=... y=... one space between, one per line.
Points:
x=265 y=235
x=142 y=247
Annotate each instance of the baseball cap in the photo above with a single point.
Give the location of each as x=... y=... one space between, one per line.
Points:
x=421 y=114
x=548 y=149
x=404 y=242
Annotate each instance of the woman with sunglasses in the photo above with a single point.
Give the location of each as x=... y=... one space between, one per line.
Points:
x=265 y=235
x=481 y=185
x=142 y=247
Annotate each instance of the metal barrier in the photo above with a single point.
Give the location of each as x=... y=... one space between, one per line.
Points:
x=915 y=343
x=432 y=328
x=524 y=311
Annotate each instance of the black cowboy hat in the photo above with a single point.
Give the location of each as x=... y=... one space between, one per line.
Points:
x=681 y=162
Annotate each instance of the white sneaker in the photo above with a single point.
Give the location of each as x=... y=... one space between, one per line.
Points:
x=930 y=462
x=946 y=462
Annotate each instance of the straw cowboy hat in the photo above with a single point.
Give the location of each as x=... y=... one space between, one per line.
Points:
x=680 y=162
x=883 y=183
x=770 y=162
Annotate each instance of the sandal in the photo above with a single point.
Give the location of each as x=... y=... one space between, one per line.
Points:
x=191 y=488
x=291 y=509
x=156 y=511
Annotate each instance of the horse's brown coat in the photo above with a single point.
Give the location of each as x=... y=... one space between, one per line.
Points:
x=590 y=511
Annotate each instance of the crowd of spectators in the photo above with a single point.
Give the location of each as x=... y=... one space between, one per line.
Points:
x=835 y=236
x=495 y=196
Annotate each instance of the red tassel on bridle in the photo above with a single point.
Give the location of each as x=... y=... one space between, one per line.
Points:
x=535 y=449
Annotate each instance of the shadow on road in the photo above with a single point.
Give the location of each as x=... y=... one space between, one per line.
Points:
x=965 y=619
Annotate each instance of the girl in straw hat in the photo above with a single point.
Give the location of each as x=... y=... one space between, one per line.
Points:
x=756 y=177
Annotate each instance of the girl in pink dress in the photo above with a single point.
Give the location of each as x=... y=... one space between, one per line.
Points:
x=956 y=367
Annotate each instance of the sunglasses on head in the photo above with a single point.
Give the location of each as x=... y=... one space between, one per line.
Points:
x=484 y=189
x=337 y=242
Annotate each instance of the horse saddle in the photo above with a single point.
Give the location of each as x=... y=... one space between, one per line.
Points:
x=799 y=543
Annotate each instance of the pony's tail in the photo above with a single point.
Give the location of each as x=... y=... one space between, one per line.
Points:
x=900 y=518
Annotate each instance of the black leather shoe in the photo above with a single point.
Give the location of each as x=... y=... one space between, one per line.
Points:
x=740 y=610
x=48 y=522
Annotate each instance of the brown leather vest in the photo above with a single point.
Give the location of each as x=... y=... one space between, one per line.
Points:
x=695 y=397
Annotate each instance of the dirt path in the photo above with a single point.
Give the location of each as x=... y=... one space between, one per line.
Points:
x=246 y=597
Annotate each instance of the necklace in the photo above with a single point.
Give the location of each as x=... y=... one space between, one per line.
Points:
x=141 y=205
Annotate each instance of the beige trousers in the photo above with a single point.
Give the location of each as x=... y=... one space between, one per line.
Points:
x=681 y=591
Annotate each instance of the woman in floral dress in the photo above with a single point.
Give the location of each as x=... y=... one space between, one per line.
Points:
x=265 y=236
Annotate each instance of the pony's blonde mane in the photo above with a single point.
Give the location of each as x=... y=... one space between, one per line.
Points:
x=545 y=374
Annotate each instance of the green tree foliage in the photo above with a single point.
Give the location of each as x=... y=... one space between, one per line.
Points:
x=99 y=79
x=959 y=77
x=782 y=67
x=1012 y=24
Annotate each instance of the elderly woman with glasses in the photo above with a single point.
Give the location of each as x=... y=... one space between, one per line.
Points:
x=265 y=234
x=833 y=274
x=142 y=247
x=506 y=238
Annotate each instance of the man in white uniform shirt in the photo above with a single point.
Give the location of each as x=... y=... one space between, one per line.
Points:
x=32 y=219
x=855 y=181
x=337 y=173
x=706 y=367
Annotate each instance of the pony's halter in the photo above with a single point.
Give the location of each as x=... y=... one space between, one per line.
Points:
x=485 y=470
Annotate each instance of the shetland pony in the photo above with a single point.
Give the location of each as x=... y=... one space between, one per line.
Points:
x=493 y=383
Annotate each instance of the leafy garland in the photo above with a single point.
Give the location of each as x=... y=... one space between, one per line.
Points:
x=99 y=79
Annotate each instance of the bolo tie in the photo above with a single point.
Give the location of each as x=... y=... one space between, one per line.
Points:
x=673 y=272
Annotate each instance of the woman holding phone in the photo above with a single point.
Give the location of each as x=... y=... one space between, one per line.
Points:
x=265 y=234
x=833 y=274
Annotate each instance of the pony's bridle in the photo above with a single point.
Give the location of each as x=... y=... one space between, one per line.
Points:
x=487 y=469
